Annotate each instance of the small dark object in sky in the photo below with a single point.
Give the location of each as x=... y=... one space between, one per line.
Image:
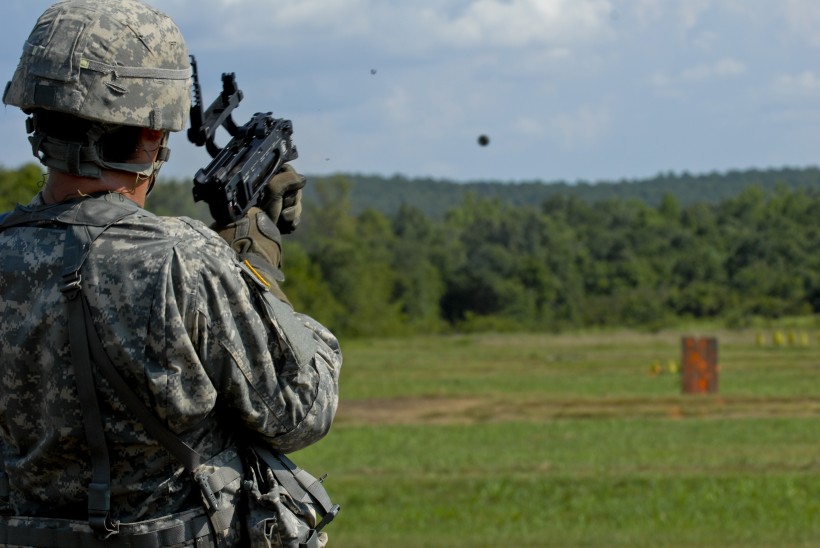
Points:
x=373 y=71
x=483 y=140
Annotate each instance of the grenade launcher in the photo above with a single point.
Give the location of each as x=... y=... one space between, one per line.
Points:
x=236 y=178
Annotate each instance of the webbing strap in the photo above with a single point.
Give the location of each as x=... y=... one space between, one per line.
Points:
x=99 y=490
x=298 y=482
x=85 y=160
x=135 y=72
x=179 y=449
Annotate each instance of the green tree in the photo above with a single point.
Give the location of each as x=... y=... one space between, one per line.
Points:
x=419 y=283
x=18 y=186
x=354 y=259
x=175 y=199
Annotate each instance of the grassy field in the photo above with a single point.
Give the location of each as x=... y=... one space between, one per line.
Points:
x=574 y=440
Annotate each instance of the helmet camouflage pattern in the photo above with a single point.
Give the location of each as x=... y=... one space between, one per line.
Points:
x=112 y=61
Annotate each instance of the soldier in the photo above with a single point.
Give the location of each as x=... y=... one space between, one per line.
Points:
x=184 y=313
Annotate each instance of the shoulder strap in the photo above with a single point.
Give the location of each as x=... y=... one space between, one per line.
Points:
x=189 y=458
x=298 y=482
x=77 y=244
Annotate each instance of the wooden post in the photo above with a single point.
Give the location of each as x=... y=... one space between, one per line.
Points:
x=700 y=365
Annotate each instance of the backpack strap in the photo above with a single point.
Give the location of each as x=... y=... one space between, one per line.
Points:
x=77 y=244
x=210 y=483
x=189 y=458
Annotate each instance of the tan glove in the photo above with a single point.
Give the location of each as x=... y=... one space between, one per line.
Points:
x=283 y=199
x=258 y=244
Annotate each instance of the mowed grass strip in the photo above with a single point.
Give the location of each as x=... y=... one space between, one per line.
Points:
x=436 y=445
x=503 y=408
x=586 y=365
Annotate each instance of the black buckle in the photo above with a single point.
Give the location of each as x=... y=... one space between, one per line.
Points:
x=71 y=285
x=99 y=501
x=207 y=493
x=102 y=525
x=327 y=518
x=312 y=541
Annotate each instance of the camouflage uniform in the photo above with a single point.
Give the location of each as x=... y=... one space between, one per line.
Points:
x=184 y=322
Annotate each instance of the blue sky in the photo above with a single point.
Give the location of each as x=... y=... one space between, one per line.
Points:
x=565 y=89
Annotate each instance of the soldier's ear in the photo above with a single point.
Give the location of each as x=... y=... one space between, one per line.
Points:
x=150 y=137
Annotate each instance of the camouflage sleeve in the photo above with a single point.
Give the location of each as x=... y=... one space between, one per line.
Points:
x=276 y=370
x=310 y=346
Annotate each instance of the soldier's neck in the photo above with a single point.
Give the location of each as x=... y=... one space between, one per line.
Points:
x=61 y=187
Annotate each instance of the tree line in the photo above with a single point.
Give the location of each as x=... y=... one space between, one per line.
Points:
x=564 y=262
x=436 y=197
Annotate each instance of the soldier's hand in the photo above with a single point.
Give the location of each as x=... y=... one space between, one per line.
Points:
x=283 y=201
x=257 y=241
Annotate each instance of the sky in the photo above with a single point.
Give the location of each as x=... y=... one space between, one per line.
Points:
x=565 y=90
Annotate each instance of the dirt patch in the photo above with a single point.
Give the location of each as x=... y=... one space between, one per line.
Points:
x=476 y=409
x=431 y=410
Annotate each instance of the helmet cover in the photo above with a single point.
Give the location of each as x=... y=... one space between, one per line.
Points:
x=117 y=62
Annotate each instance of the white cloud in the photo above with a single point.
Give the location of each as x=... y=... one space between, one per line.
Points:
x=721 y=69
x=648 y=12
x=690 y=12
x=804 y=84
x=779 y=21
x=518 y=23
x=400 y=26
x=803 y=18
x=706 y=40
x=529 y=127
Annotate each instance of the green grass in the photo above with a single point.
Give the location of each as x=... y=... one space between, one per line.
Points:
x=535 y=440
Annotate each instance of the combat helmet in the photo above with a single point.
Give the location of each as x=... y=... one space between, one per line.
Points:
x=111 y=62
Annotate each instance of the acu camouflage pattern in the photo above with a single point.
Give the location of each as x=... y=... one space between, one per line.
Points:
x=192 y=333
x=113 y=61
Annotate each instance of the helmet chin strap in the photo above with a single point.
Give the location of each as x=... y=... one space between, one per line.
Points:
x=163 y=153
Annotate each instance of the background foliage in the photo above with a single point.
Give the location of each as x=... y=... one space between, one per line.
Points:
x=383 y=256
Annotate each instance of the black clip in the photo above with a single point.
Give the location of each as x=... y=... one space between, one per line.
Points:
x=207 y=493
x=327 y=518
x=99 y=502
x=71 y=285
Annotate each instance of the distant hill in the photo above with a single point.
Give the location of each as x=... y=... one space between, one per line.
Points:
x=435 y=197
